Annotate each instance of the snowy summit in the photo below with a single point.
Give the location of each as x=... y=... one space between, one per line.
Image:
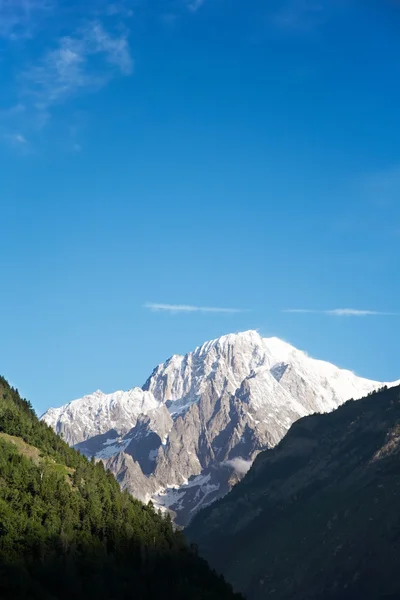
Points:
x=200 y=420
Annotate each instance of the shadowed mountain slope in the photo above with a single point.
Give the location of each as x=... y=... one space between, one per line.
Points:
x=317 y=517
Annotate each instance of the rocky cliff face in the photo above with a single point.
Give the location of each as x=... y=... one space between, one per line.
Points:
x=201 y=419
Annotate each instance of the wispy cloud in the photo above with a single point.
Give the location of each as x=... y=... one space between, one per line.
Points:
x=20 y=139
x=300 y=15
x=16 y=139
x=13 y=111
x=67 y=69
x=19 y=18
x=92 y=51
x=185 y=308
x=18 y=142
x=342 y=312
x=194 y=5
x=118 y=8
x=240 y=465
x=382 y=187
x=115 y=48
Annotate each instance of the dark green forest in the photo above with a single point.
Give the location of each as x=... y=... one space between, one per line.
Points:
x=68 y=531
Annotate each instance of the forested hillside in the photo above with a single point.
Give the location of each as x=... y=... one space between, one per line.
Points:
x=317 y=517
x=67 y=531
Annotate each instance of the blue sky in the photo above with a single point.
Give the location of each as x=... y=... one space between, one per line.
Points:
x=220 y=154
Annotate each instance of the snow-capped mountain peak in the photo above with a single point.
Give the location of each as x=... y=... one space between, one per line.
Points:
x=228 y=360
x=199 y=414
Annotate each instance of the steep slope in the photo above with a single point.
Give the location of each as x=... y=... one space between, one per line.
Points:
x=317 y=517
x=67 y=531
x=201 y=419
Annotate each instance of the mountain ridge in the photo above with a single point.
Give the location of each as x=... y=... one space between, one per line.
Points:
x=228 y=399
x=316 y=517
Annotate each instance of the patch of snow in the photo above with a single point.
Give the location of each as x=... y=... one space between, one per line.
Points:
x=109 y=441
x=113 y=449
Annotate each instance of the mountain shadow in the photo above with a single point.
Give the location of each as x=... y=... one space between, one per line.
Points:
x=317 y=517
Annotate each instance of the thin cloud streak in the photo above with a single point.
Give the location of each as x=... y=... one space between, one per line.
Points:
x=342 y=312
x=184 y=308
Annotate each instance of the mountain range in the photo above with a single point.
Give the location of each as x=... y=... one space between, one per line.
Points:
x=197 y=424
